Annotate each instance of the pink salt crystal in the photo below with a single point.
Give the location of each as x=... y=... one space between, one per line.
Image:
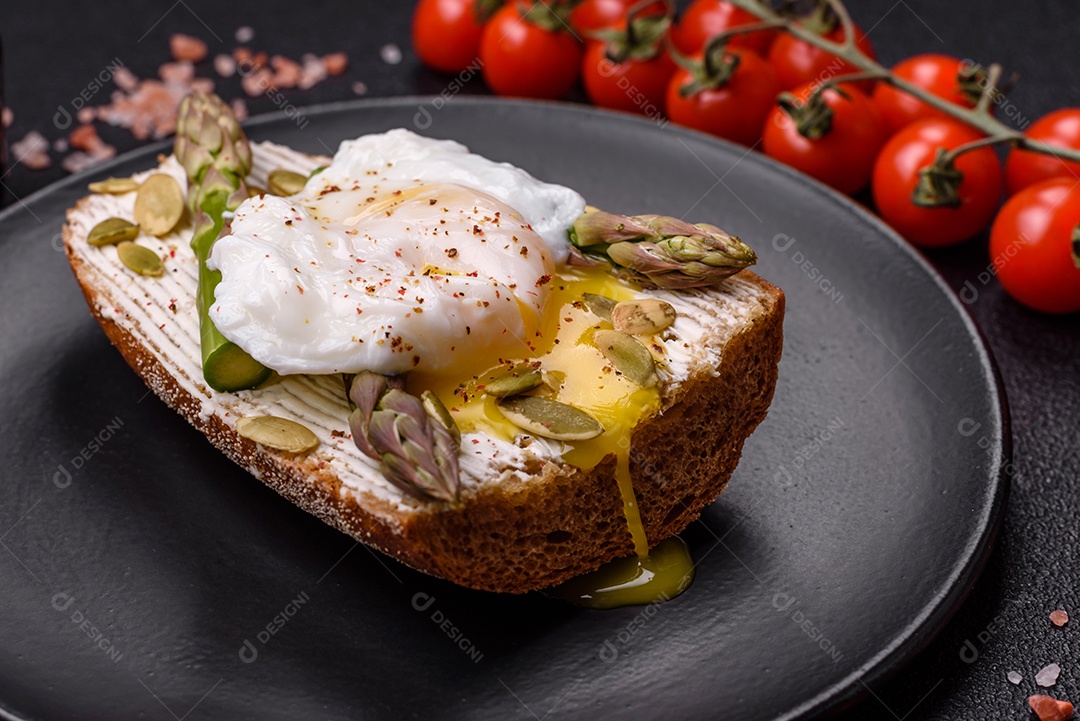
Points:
x=125 y=79
x=312 y=72
x=359 y=88
x=390 y=54
x=225 y=65
x=287 y=72
x=86 y=115
x=32 y=151
x=335 y=63
x=245 y=34
x=1048 y=675
x=239 y=108
x=1059 y=618
x=8 y=117
x=186 y=47
x=256 y=83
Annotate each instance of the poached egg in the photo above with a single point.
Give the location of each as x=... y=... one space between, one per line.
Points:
x=405 y=253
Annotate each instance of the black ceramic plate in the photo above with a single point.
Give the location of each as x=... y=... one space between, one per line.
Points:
x=146 y=576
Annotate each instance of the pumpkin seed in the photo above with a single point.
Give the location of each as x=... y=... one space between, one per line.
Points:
x=642 y=317
x=285 y=182
x=281 y=434
x=629 y=356
x=159 y=204
x=140 y=259
x=111 y=232
x=599 y=305
x=550 y=419
x=114 y=186
x=514 y=382
x=438 y=411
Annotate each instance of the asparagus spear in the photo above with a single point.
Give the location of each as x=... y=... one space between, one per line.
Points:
x=416 y=440
x=216 y=157
x=659 y=251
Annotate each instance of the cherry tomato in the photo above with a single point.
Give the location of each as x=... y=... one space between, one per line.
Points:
x=736 y=109
x=896 y=173
x=843 y=156
x=637 y=86
x=1023 y=168
x=797 y=62
x=704 y=19
x=933 y=72
x=522 y=58
x=1031 y=246
x=592 y=15
x=446 y=34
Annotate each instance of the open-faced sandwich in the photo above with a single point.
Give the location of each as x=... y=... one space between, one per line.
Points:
x=440 y=355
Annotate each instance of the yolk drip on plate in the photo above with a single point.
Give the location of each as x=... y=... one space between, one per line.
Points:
x=577 y=374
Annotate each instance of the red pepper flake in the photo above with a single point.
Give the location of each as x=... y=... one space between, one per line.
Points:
x=415 y=360
x=475 y=441
x=1059 y=618
x=172 y=304
x=477 y=230
x=543 y=280
x=433 y=201
x=337 y=434
x=1048 y=708
x=451 y=252
x=300 y=289
x=401 y=291
x=288 y=222
x=524 y=251
x=468 y=330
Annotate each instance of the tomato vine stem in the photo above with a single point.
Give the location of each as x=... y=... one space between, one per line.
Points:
x=978 y=117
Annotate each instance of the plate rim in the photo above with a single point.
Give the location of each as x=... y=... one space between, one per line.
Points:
x=938 y=610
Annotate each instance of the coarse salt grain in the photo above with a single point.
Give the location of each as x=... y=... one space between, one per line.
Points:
x=1050 y=709
x=187 y=47
x=335 y=63
x=1048 y=675
x=390 y=54
x=32 y=151
x=1014 y=678
x=225 y=65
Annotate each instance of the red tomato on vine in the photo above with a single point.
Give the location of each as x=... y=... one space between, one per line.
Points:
x=592 y=15
x=446 y=33
x=727 y=93
x=947 y=77
x=629 y=68
x=832 y=135
x=797 y=62
x=704 y=19
x=968 y=205
x=1034 y=243
x=529 y=53
x=1024 y=168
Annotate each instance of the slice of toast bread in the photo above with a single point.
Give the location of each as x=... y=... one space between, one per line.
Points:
x=527 y=520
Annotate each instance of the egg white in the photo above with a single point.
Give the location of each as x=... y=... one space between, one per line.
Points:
x=405 y=253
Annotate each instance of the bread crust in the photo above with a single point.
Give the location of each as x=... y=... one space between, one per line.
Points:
x=517 y=536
